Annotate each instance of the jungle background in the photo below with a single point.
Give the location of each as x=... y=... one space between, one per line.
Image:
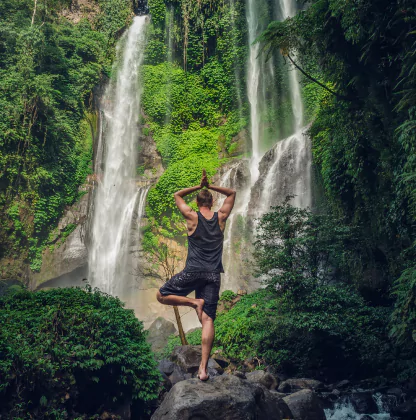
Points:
x=345 y=270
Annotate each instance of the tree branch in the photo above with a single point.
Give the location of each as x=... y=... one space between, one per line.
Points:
x=317 y=81
x=34 y=12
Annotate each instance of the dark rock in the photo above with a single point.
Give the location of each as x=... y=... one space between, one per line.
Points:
x=305 y=405
x=367 y=417
x=406 y=410
x=213 y=372
x=165 y=382
x=397 y=392
x=239 y=374
x=363 y=403
x=224 y=397
x=159 y=332
x=343 y=384
x=166 y=366
x=221 y=360
x=176 y=376
x=188 y=358
x=268 y=407
x=212 y=364
x=263 y=378
x=278 y=394
x=296 y=384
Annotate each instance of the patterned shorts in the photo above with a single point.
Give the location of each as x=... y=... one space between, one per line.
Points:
x=206 y=286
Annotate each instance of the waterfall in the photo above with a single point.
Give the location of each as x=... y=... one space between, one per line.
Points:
x=288 y=10
x=236 y=177
x=117 y=196
x=284 y=169
x=344 y=410
x=253 y=78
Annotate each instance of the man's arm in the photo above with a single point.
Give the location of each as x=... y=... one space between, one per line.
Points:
x=228 y=204
x=180 y=202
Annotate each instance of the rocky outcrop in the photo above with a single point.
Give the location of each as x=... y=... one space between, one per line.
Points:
x=305 y=405
x=80 y=9
x=296 y=384
x=363 y=403
x=188 y=358
x=239 y=144
x=266 y=379
x=66 y=262
x=406 y=410
x=224 y=397
x=159 y=332
x=149 y=160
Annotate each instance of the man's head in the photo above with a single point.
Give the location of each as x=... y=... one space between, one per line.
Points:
x=204 y=199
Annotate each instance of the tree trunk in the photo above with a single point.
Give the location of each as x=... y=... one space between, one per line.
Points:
x=34 y=12
x=180 y=327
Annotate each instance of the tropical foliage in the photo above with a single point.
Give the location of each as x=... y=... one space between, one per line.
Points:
x=67 y=353
x=49 y=68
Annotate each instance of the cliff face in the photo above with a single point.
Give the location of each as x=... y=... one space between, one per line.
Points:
x=65 y=263
x=80 y=9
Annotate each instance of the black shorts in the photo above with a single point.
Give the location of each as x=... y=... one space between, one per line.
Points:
x=206 y=286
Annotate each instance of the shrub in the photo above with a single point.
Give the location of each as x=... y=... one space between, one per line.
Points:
x=227 y=295
x=68 y=352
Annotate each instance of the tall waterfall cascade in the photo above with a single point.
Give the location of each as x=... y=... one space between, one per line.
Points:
x=118 y=201
x=272 y=175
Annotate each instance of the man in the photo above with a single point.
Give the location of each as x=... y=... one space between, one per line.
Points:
x=204 y=261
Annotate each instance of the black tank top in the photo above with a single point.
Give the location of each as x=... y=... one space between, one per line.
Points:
x=205 y=246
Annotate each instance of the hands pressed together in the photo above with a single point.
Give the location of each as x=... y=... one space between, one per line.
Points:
x=204 y=179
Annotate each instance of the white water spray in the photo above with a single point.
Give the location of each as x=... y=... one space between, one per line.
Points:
x=117 y=196
x=253 y=77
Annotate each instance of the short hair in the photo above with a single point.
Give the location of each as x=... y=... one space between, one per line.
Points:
x=204 y=198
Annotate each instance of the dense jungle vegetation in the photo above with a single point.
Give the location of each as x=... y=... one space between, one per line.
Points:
x=72 y=353
x=358 y=66
x=345 y=304
x=49 y=68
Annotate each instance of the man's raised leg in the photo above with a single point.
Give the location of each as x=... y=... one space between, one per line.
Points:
x=208 y=333
x=174 y=300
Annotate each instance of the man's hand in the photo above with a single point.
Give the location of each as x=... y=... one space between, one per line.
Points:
x=204 y=179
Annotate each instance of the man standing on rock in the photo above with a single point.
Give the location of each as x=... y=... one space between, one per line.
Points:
x=204 y=261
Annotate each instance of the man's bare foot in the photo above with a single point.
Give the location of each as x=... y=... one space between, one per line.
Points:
x=199 y=304
x=202 y=375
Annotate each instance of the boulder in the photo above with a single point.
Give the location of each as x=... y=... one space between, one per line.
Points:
x=165 y=383
x=224 y=397
x=221 y=360
x=177 y=375
x=188 y=358
x=406 y=410
x=363 y=403
x=239 y=374
x=159 y=332
x=166 y=366
x=296 y=384
x=343 y=384
x=305 y=405
x=397 y=392
x=263 y=378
